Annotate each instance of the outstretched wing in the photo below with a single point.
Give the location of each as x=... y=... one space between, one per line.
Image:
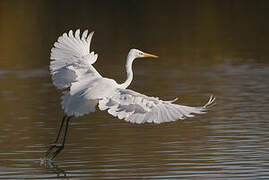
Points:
x=138 y=108
x=71 y=59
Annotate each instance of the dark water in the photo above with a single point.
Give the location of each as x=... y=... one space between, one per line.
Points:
x=205 y=47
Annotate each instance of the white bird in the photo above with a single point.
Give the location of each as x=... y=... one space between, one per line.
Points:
x=84 y=88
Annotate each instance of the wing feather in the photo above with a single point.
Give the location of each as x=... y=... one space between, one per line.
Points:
x=71 y=59
x=84 y=35
x=77 y=33
x=138 y=108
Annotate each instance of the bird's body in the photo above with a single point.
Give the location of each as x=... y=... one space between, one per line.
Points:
x=84 y=88
x=83 y=98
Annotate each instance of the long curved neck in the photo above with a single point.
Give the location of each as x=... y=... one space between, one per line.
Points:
x=128 y=66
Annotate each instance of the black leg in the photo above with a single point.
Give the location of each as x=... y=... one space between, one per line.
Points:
x=62 y=146
x=59 y=147
x=52 y=146
x=59 y=132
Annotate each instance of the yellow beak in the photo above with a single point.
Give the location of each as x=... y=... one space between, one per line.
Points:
x=149 y=55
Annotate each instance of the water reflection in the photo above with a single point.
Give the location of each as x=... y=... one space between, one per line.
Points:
x=55 y=169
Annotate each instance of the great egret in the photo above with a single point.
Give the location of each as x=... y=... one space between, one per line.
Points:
x=71 y=69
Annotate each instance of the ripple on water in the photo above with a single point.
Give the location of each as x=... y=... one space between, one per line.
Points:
x=230 y=142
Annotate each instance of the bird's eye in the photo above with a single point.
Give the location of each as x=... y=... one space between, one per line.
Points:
x=141 y=53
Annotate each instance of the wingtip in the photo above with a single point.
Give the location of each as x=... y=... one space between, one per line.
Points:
x=92 y=33
x=211 y=102
x=89 y=38
x=173 y=100
x=70 y=33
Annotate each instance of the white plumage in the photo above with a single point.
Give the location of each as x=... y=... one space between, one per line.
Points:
x=71 y=68
x=84 y=88
x=72 y=59
x=138 y=108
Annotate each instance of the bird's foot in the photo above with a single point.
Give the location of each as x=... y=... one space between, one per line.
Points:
x=46 y=162
x=53 y=150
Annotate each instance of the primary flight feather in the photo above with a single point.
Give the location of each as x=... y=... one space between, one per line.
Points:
x=72 y=69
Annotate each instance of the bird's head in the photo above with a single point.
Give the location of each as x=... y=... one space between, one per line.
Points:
x=140 y=54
